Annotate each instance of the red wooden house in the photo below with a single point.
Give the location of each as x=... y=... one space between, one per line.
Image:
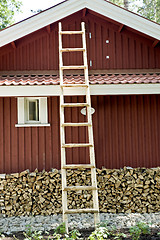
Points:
x=124 y=70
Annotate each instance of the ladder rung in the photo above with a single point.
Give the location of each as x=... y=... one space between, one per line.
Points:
x=74 y=85
x=77 y=188
x=73 y=67
x=76 y=124
x=85 y=210
x=76 y=166
x=74 y=105
x=71 y=32
x=72 y=49
x=71 y=145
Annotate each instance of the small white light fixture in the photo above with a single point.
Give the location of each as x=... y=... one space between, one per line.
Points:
x=107 y=41
x=83 y=111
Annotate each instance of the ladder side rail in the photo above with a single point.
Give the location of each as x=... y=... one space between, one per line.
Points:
x=90 y=131
x=92 y=158
x=62 y=135
x=60 y=56
x=85 y=54
x=88 y=98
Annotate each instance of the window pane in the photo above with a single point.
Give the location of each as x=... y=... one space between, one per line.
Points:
x=34 y=110
x=37 y=110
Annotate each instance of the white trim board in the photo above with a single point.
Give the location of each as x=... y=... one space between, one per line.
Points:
x=112 y=89
x=68 y=7
x=33 y=125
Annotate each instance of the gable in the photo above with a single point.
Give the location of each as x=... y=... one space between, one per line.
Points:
x=126 y=49
x=69 y=7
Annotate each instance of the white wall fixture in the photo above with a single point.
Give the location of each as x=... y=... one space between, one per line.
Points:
x=83 y=111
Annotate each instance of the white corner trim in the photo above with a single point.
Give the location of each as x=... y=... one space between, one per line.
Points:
x=66 y=8
x=33 y=125
x=104 y=89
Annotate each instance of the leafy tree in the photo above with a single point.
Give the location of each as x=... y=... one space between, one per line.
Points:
x=147 y=8
x=118 y=2
x=126 y=4
x=122 y=3
x=150 y=9
x=36 y=11
x=7 y=10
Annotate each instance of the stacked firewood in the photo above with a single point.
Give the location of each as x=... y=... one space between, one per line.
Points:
x=120 y=190
x=79 y=199
x=129 y=190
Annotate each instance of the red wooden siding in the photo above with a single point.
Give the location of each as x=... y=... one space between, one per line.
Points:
x=126 y=132
x=126 y=49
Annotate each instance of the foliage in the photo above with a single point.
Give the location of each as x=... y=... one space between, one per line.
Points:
x=37 y=235
x=118 y=2
x=74 y=234
x=61 y=229
x=1 y=235
x=56 y=236
x=138 y=229
x=103 y=232
x=150 y=9
x=145 y=228
x=29 y=234
x=29 y=230
x=120 y=236
x=125 y=3
x=105 y=224
x=8 y=8
x=60 y=233
x=135 y=232
x=99 y=234
x=147 y=8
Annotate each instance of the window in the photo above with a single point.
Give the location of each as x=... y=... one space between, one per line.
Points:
x=32 y=112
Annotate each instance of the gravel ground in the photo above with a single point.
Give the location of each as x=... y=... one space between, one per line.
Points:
x=11 y=225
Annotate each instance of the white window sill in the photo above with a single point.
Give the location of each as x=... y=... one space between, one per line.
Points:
x=33 y=125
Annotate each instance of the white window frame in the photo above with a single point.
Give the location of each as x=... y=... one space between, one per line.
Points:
x=23 y=112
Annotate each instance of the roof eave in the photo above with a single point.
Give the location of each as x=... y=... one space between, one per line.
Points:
x=125 y=17
x=39 y=21
x=69 y=7
x=104 y=89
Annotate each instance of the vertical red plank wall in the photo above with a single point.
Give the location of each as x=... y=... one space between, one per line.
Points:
x=126 y=133
x=108 y=48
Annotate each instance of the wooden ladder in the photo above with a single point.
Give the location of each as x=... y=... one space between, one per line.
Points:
x=88 y=124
